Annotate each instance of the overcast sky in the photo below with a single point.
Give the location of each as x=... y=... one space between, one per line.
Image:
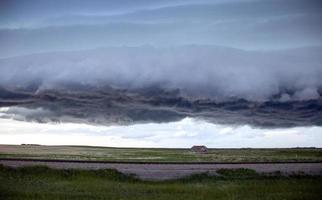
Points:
x=40 y=26
x=238 y=64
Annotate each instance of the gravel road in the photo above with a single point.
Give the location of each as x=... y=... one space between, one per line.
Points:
x=157 y=171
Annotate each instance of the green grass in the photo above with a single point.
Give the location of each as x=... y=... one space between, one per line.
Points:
x=44 y=183
x=146 y=154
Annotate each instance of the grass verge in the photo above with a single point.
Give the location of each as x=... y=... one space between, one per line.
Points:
x=41 y=182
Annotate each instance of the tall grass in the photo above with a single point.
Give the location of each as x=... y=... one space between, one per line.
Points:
x=44 y=183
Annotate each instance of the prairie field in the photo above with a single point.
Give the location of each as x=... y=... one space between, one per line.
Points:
x=159 y=154
x=41 y=182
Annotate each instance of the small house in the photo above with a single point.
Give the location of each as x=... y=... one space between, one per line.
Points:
x=199 y=149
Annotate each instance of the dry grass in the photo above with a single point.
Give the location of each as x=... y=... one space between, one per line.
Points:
x=136 y=154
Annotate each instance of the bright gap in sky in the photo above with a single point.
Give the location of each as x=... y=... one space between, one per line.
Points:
x=180 y=134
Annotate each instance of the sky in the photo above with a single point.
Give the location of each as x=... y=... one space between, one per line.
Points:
x=179 y=134
x=232 y=73
x=42 y=26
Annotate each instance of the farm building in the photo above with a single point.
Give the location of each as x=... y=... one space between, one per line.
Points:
x=199 y=149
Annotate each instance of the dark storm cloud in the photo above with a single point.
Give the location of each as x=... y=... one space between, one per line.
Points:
x=162 y=77
x=124 y=85
x=197 y=71
x=107 y=106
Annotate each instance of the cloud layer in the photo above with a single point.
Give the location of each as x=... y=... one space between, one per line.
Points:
x=42 y=26
x=198 y=72
x=267 y=73
x=108 y=106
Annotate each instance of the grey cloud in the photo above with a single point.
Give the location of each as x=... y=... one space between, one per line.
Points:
x=25 y=114
x=160 y=10
x=241 y=24
x=125 y=85
x=197 y=71
x=17 y=13
x=107 y=106
x=268 y=88
x=248 y=34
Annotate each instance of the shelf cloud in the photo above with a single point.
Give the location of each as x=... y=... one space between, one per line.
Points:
x=236 y=62
x=197 y=71
x=126 y=85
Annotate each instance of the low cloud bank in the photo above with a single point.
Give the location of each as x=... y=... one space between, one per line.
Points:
x=108 y=106
x=197 y=71
x=128 y=85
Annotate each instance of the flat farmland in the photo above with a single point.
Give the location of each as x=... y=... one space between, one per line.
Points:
x=159 y=154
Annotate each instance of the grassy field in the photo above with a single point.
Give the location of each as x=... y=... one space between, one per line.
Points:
x=44 y=183
x=133 y=154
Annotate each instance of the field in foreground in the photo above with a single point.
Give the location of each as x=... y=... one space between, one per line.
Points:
x=44 y=183
x=160 y=155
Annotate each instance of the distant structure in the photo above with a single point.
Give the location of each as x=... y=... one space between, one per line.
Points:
x=30 y=144
x=199 y=149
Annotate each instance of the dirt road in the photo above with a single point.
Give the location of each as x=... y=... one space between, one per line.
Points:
x=165 y=171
